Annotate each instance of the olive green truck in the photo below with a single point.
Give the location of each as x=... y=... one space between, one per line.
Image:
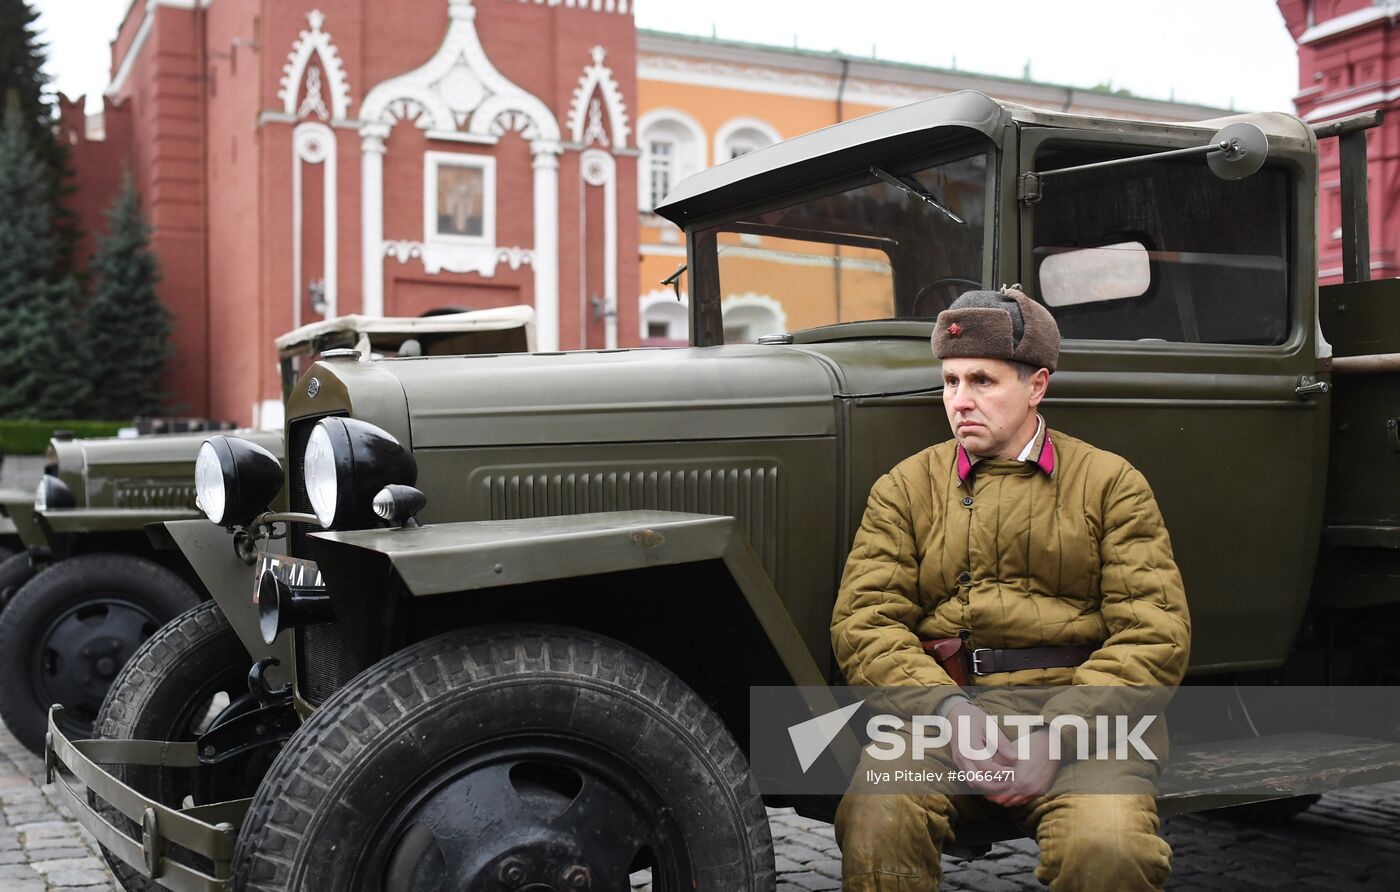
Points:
x=504 y=634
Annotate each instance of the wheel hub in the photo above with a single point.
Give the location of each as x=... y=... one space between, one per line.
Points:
x=541 y=868
x=529 y=821
x=82 y=651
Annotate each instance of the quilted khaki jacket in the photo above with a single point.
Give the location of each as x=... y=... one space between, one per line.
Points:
x=1021 y=558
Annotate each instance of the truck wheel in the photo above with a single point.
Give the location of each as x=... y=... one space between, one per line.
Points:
x=185 y=679
x=509 y=758
x=15 y=571
x=1272 y=811
x=67 y=632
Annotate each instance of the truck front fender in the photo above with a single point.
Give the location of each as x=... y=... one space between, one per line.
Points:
x=64 y=521
x=481 y=555
x=17 y=506
x=208 y=548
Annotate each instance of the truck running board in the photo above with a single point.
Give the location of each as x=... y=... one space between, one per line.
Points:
x=1203 y=776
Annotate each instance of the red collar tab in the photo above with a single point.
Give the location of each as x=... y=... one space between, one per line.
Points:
x=1045 y=460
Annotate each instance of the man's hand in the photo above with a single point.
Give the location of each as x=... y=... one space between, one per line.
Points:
x=966 y=715
x=1034 y=775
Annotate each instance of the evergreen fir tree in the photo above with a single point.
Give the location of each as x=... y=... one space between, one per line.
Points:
x=128 y=327
x=42 y=368
x=22 y=82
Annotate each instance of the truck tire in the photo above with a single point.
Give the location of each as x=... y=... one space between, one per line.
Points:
x=182 y=681
x=15 y=571
x=67 y=632
x=544 y=758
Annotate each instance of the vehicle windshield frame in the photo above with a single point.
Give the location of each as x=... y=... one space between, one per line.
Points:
x=704 y=289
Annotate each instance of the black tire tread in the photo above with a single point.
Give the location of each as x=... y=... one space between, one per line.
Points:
x=288 y=801
x=15 y=571
x=199 y=629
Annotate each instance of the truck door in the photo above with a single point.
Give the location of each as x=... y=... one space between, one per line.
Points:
x=1187 y=304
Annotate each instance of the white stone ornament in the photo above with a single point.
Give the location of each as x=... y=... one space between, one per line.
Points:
x=596 y=171
x=621 y=7
x=315 y=42
x=598 y=78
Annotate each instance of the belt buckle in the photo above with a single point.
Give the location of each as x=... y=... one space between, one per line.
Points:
x=976 y=659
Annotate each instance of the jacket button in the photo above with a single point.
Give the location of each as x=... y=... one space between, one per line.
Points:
x=967 y=501
x=964 y=578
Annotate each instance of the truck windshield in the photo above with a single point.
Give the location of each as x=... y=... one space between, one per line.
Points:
x=902 y=245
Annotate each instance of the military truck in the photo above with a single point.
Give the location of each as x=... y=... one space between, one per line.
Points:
x=91 y=585
x=523 y=599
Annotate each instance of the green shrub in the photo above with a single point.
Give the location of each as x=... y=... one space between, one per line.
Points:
x=30 y=437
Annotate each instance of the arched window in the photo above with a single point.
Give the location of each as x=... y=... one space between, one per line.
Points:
x=739 y=136
x=665 y=320
x=673 y=148
x=748 y=317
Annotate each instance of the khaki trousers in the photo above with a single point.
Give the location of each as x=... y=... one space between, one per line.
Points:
x=1088 y=841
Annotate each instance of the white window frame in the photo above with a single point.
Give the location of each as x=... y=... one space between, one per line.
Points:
x=725 y=135
x=680 y=321
x=435 y=161
x=671 y=163
x=688 y=156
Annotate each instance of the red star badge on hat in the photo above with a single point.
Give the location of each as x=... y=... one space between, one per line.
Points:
x=954 y=330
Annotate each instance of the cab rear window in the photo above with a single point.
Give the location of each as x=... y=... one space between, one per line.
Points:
x=1163 y=250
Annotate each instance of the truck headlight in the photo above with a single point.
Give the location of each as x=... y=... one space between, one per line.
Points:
x=347 y=463
x=235 y=480
x=53 y=493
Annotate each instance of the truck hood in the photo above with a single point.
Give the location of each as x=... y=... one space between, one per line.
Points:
x=156 y=470
x=156 y=449
x=749 y=391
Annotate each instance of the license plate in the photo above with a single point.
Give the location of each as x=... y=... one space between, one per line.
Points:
x=293 y=571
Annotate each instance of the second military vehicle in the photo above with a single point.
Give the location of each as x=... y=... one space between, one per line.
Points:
x=91 y=584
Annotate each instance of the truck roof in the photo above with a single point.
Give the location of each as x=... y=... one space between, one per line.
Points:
x=844 y=149
x=387 y=332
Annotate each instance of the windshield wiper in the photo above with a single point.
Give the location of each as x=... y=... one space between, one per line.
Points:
x=920 y=194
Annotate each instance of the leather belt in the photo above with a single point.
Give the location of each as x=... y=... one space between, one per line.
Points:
x=990 y=660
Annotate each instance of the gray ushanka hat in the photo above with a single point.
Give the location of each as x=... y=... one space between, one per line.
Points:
x=998 y=325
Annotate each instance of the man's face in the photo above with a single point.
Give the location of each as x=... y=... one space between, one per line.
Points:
x=990 y=408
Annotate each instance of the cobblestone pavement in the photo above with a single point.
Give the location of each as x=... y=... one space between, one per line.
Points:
x=41 y=847
x=1349 y=841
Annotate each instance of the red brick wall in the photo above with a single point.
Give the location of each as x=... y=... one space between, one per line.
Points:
x=166 y=95
x=205 y=128
x=98 y=166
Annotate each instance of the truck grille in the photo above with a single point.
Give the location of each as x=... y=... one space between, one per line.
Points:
x=325 y=661
x=750 y=493
x=129 y=493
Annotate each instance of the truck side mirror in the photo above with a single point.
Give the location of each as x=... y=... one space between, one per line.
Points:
x=1242 y=148
x=1233 y=153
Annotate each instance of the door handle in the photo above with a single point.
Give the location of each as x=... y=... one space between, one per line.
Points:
x=1310 y=386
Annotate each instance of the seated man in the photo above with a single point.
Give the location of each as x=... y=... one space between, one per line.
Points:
x=1045 y=551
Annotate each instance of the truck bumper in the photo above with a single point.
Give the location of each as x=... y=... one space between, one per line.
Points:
x=85 y=789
